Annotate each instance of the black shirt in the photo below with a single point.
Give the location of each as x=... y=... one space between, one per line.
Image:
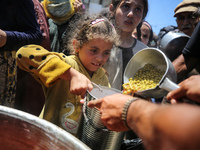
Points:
x=192 y=47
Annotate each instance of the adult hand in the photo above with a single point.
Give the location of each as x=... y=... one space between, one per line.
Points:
x=79 y=83
x=78 y=5
x=111 y=110
x=3 y=38
x=189 y=89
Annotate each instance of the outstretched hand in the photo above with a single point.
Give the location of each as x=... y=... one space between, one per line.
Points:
x=111 y=110
x=189 y=89
x=78 y=5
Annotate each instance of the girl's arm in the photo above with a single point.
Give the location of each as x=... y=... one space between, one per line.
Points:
x=49 y=67
x=79 y=83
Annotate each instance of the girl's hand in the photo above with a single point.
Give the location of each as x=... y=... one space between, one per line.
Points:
x=79 y=83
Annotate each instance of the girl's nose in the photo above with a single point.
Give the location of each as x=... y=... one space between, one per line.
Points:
x=99 y=57
x=130 y=14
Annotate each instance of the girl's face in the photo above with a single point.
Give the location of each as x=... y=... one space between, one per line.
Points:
x=94 y=54
x=129 y=14
x=145 y=34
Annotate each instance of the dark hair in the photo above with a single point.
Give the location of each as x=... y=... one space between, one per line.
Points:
x=105 y=12
x=164 y=31
x=91 y=27
x=139 y=32
x=116 y=3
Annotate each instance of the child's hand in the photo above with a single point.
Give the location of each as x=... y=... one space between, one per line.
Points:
x=79 y=83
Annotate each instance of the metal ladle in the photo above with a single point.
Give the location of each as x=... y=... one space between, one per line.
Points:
x=159 y=60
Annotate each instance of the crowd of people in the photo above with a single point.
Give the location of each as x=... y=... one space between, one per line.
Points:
x=51 y=51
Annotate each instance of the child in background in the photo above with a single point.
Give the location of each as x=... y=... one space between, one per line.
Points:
x=143 y=33
x=61 y=13
x=92 y=43
x=126 y=15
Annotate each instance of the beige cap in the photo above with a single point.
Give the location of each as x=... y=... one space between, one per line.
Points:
x=187 y=6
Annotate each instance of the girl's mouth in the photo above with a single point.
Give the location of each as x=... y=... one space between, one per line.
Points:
x=96 y=64
x=128 y=22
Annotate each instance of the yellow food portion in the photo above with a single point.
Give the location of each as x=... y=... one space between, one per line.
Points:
x=147 y=77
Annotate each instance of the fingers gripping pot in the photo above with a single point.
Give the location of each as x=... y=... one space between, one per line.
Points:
x=92 y=132
x=159 y=60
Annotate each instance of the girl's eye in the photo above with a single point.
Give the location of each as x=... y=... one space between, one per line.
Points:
x=107 y=53
x=138 y=9
x=93 y=51
x=126 y=6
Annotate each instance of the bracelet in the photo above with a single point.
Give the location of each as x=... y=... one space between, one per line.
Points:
x=125 y=110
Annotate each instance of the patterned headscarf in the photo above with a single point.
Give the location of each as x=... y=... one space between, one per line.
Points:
x=59 y=10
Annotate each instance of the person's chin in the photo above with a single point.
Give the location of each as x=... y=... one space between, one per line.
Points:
x=94 y=69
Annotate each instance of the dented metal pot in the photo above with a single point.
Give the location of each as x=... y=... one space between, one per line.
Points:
x=23 y=131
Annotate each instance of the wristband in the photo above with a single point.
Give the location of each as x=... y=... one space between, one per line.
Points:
x=125 y=110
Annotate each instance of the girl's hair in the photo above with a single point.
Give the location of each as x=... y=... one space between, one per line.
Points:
x=139 y=31
x=91 y=27
x=116 y=3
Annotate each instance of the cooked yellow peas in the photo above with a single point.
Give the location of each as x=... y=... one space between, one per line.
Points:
x=146 y=78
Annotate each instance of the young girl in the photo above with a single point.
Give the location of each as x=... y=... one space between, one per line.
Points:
x=92 y=44
x=126 y=15
x=143 y=33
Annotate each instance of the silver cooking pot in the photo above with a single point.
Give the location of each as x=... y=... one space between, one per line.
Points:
x=173 y=43
x=23 y=131
x=92 y=132
x=159 y=60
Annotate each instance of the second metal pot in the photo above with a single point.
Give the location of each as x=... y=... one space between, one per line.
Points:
x=173 y=43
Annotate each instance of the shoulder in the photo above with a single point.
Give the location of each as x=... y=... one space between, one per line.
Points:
x=70 y=59
x=73 y=61
x=139 y=44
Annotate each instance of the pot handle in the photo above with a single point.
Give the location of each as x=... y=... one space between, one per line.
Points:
x=97 y=86
x=168 y=85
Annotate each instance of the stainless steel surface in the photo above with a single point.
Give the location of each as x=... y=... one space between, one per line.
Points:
x=92 y=132
x=159 y=60
x=23 y=131
x=168 y=85
x=173 y=43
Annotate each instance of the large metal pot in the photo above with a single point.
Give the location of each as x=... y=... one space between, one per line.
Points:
x=173 y=43
x=159 y=60
x=23 y=131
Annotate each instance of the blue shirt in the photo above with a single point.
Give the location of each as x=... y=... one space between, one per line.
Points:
x=18 y=20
